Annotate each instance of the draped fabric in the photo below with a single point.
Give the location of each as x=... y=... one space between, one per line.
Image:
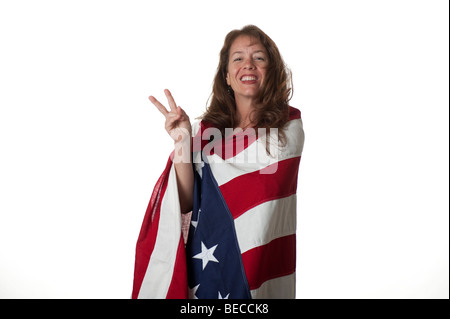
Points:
x=242 y=233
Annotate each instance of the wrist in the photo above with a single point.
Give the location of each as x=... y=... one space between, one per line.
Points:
x=181 y=135
x=184 y=139
x=182 y=152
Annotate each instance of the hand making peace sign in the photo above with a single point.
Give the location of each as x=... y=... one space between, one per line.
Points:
x=177 y=121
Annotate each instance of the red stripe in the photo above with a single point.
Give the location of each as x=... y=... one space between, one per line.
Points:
x=224 y=147
x=273 y=260
x=149 y=230
x=249 y=190
x=294 y=113
x=234 y=144
x=178 y=288
x=237 y=143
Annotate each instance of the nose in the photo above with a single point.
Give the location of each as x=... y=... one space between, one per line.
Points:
x=249 y=65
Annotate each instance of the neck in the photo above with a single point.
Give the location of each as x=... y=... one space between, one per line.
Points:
x=244 y=107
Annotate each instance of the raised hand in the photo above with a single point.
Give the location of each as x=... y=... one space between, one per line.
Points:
x=177 y=121
x=179 y=128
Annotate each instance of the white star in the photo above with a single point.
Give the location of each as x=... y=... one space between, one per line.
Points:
x=206 y=255
x=193 y=291
x=198 y=164
x=226 y=297
x=195 y=222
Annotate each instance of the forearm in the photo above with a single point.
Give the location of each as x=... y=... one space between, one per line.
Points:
x=185 y=175
x=179 y=128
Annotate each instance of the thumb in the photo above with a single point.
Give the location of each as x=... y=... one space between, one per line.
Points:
x=182 y=112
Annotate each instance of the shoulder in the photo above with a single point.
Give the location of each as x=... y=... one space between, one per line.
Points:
x=295 y=120
x=293 y=129
x=294 y=113
x=196 y=125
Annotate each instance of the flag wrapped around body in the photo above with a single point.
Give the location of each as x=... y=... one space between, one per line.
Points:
x=241 y=241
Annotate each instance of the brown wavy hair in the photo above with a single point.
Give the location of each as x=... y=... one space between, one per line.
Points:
x=272 y=110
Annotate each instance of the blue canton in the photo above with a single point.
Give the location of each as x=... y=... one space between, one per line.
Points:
x=215 y=269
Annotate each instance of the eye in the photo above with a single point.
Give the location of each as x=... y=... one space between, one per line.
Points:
x=260 y=58
x=237 y=59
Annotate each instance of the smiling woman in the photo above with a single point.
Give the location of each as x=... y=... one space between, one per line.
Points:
x=246 y=74
x=259 y=83
x=241 y=240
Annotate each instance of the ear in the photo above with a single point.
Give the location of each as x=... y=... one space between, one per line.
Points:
x=228 y=79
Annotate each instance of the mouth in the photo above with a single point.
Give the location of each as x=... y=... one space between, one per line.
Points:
x=249 y=79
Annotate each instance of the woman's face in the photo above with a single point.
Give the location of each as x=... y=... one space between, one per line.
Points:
x=247 y=67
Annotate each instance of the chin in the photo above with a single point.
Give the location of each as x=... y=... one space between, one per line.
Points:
x=248 y=93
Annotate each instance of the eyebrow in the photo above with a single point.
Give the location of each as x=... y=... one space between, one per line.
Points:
x=239 y=52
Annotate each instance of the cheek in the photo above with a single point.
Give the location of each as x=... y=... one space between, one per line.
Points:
x=232 y=77
x=263 y=74
x=232 y=72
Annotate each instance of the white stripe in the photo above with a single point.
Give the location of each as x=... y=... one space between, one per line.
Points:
x=278 y=288
x=295 y=137
x=160 y=268
x=243 y=163
x=255 y=157
x=266 y=222
x=196 y=125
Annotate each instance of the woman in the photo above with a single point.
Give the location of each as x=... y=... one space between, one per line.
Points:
x=241 y=189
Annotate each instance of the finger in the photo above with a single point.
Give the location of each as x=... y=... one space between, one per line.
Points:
x=160 y=107
x=172 y=104
x=173 y=116
x=183 y=115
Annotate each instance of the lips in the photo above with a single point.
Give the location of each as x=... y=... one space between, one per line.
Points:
x=246 y=78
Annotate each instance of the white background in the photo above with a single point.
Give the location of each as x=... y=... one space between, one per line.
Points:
x=82 y=147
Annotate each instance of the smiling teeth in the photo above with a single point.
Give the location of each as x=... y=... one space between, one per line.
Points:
x=248 y=78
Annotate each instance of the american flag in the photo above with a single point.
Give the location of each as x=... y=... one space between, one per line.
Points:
x=241 y=241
